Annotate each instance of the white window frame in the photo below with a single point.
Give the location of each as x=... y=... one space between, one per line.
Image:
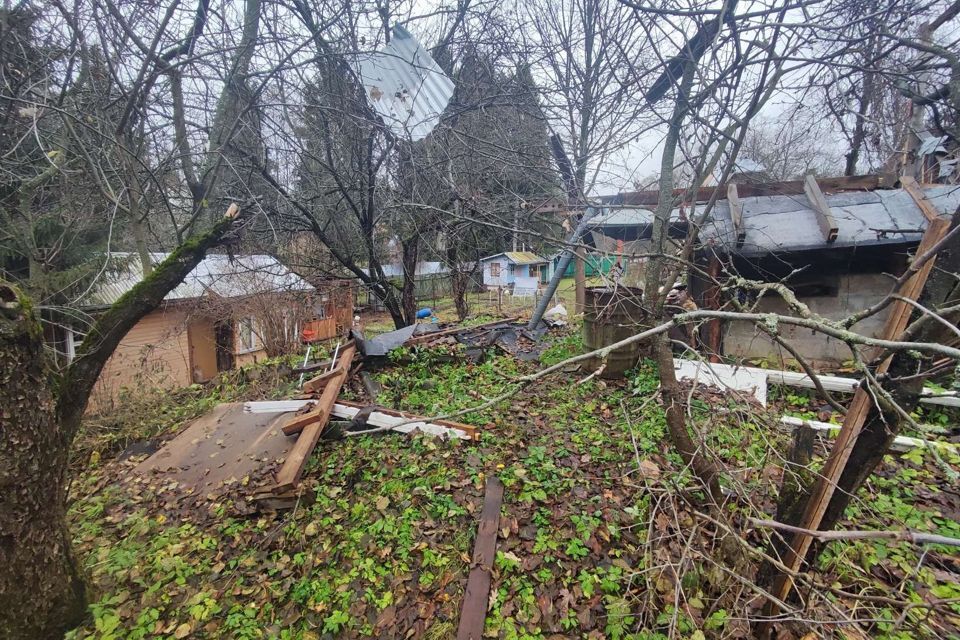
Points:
x=254 y=343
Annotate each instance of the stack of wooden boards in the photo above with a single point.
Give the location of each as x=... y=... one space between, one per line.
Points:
x=321 y=403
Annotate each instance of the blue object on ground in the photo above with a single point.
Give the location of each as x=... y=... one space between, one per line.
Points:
x=424 y=313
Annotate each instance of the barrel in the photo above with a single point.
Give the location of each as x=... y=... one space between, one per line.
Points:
x=611 y=314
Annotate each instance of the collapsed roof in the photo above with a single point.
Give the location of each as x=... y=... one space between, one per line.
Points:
x=785 y=223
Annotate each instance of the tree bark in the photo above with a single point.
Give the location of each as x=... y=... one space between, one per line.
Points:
x=42 y=592
x=863 y=108
x=580 y=280
x=459 y=282
x=408 y=295
x=674 y=402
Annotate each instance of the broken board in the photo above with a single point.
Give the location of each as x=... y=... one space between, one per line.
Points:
x=743 y=380
x=219 y=448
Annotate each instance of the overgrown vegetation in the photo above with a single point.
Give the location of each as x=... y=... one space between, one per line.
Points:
x=596 y=538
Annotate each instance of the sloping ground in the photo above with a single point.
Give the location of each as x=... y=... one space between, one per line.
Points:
x=599 y=535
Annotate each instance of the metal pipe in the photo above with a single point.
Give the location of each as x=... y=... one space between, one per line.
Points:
x=561 y=267
x=306 y=359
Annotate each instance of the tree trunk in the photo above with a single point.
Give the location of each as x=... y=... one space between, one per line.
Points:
x=42 y=593
x=860 y=127
x=674 y=403
x=580 y=280
x=459 y=282
x=408 y=295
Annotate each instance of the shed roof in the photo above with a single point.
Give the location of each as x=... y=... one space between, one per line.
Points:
x=518 y=257
x=783 y=223
x=220 y=275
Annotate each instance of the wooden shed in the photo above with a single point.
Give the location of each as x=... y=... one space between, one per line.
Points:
x=228 y=312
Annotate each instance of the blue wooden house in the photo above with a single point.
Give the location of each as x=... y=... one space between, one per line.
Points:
x=503 y=269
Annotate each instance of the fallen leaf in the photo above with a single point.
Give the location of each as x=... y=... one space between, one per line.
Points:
x=649 y=469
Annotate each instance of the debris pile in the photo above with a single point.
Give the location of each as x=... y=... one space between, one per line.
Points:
x=242 y=444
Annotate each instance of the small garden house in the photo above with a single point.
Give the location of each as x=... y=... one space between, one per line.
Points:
x=503 y=269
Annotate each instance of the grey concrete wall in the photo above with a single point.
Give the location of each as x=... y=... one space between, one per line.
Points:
x=856 y=291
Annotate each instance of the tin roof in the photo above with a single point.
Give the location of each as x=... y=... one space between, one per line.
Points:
x=518 y=257
x=219 y=275
x=405 y=86
x=788 y=223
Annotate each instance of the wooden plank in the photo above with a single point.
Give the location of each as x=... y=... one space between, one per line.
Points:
x=900 y=311
x=910 y=185
x=900 y=443
x=317 y=383
x=736 y=213
x=292 y=469
x=473 y=613
x=313 y=367
x=853 y=422
x=784 y=188
x=828 y=225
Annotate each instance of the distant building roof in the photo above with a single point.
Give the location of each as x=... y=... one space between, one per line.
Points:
x=518 y=257
x=780 y=223
x=216 y=274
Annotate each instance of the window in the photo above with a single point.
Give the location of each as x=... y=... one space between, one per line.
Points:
x=494 y=269
x=513 y=268
x=248 y=338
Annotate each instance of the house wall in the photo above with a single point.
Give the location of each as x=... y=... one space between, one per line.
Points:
x=155 y=353
x=505 y=278
x=854 y=292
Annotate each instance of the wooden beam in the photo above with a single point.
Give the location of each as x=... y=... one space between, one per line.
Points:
x=828 y=225
x=784 y=188
x=736 y=213
x=853 y=423
x=910 y=185
x=292 y=469
x=317 y=383
x=473 y=613
x=900 y=443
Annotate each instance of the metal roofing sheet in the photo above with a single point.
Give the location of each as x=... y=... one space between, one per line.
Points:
x=405 y=86
x=219 y=275
x=788 y=223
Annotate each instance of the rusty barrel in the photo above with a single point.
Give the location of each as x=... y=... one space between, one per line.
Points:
x=610 y=315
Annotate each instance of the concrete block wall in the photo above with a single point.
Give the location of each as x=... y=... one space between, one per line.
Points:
x=855 y=292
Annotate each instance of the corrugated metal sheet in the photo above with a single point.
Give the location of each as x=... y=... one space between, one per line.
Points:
x=405 y=86
x=216 y=274
x=788 y=223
